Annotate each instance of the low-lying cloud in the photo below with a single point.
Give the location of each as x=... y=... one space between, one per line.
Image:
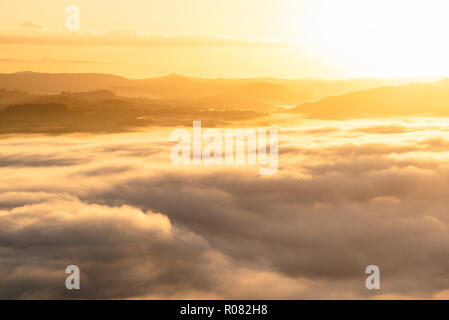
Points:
x=139 y=227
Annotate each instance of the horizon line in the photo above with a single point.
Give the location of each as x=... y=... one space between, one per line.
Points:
x=178 y=75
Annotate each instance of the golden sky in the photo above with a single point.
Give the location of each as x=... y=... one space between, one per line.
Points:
x=87 y=179
x=234 y=38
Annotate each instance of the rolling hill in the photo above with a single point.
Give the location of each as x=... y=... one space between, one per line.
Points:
x=181 y=87
x=418 y=98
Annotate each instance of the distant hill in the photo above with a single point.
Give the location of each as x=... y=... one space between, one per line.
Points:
x=8 y=97
x=92 y=95
x=259 y=96
x=43 y=109
x=181 y=87
x=269 y=92
x=52 y=83
x=418 y=98
x=103 y=111
x=71 y=99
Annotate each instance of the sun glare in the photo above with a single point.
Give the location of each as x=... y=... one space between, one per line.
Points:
x=382 y=38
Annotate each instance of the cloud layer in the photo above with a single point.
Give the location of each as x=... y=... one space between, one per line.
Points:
x=358 y=193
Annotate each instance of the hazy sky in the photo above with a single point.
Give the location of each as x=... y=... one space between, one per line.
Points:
x=248 y=19
x=333 y=39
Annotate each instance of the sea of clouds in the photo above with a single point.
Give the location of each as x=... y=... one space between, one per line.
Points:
x=347 y=194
